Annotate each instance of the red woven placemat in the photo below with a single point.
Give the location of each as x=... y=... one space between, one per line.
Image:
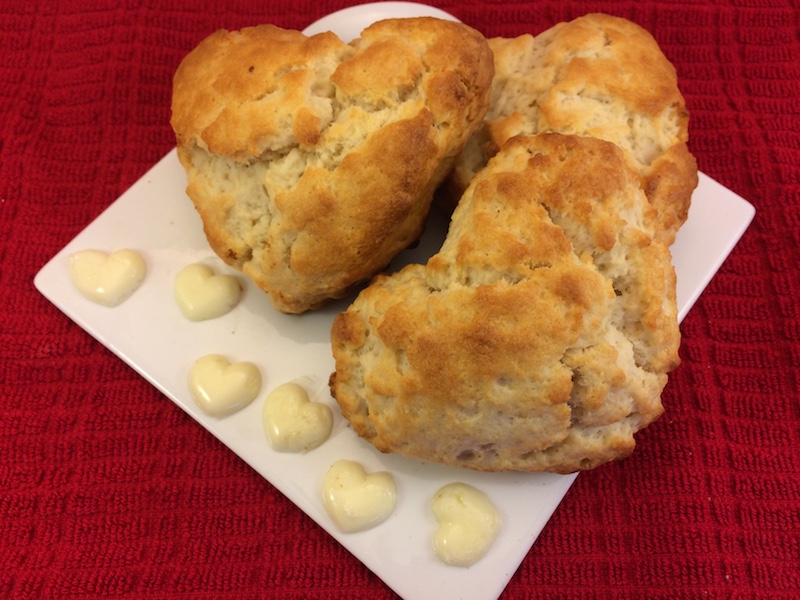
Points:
x=108 y=490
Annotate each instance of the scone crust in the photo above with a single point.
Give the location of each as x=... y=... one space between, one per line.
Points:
x=538 y=339
x=600 y=76
x=313 y=162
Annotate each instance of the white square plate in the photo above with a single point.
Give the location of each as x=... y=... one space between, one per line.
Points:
x=149 y=333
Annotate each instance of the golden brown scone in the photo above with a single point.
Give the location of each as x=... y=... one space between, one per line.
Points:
x=313 y=162
x=538 y=339
x=599 y=76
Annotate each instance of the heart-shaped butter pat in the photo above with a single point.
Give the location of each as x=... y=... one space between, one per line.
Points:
x=468 y=524
x=293 y=423
x=356 y=500
x=107 y=279
x=202 y=294
x=220 y=388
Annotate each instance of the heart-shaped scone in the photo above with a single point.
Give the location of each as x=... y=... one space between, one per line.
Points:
x=356 y=500
x=107 y=279
x=468 y=524
x=600 y=76
x=313 y=162
x=541 y=334
x=202 y=294
x=293 y=423
x=220 y=388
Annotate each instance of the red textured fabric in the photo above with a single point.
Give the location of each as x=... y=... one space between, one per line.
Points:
x=109 y=490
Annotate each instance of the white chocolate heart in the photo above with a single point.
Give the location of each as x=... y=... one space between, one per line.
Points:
x=220 y=388
x=468 y=524
x=201 y=294
x=355 y=500
x=107 y=279
x=292 y=422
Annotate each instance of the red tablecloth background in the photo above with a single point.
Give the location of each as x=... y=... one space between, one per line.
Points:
x=107 y=489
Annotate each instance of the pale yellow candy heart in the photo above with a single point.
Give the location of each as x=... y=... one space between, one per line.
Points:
x=355 y=500
x=107 y=279
x=292 y=422
x=202 y=294
x=220 y=388
x=468 y=524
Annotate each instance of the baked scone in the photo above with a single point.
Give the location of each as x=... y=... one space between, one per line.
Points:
x=313 y=162
x=539 y=338
x=600 y=76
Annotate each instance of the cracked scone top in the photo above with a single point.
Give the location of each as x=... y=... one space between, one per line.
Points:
x=601 y=76
x=313 y=162
x=539 y=338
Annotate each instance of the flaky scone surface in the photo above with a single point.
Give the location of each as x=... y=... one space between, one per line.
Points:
x=599 y=76
x=313 y=162
x=539 y=338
